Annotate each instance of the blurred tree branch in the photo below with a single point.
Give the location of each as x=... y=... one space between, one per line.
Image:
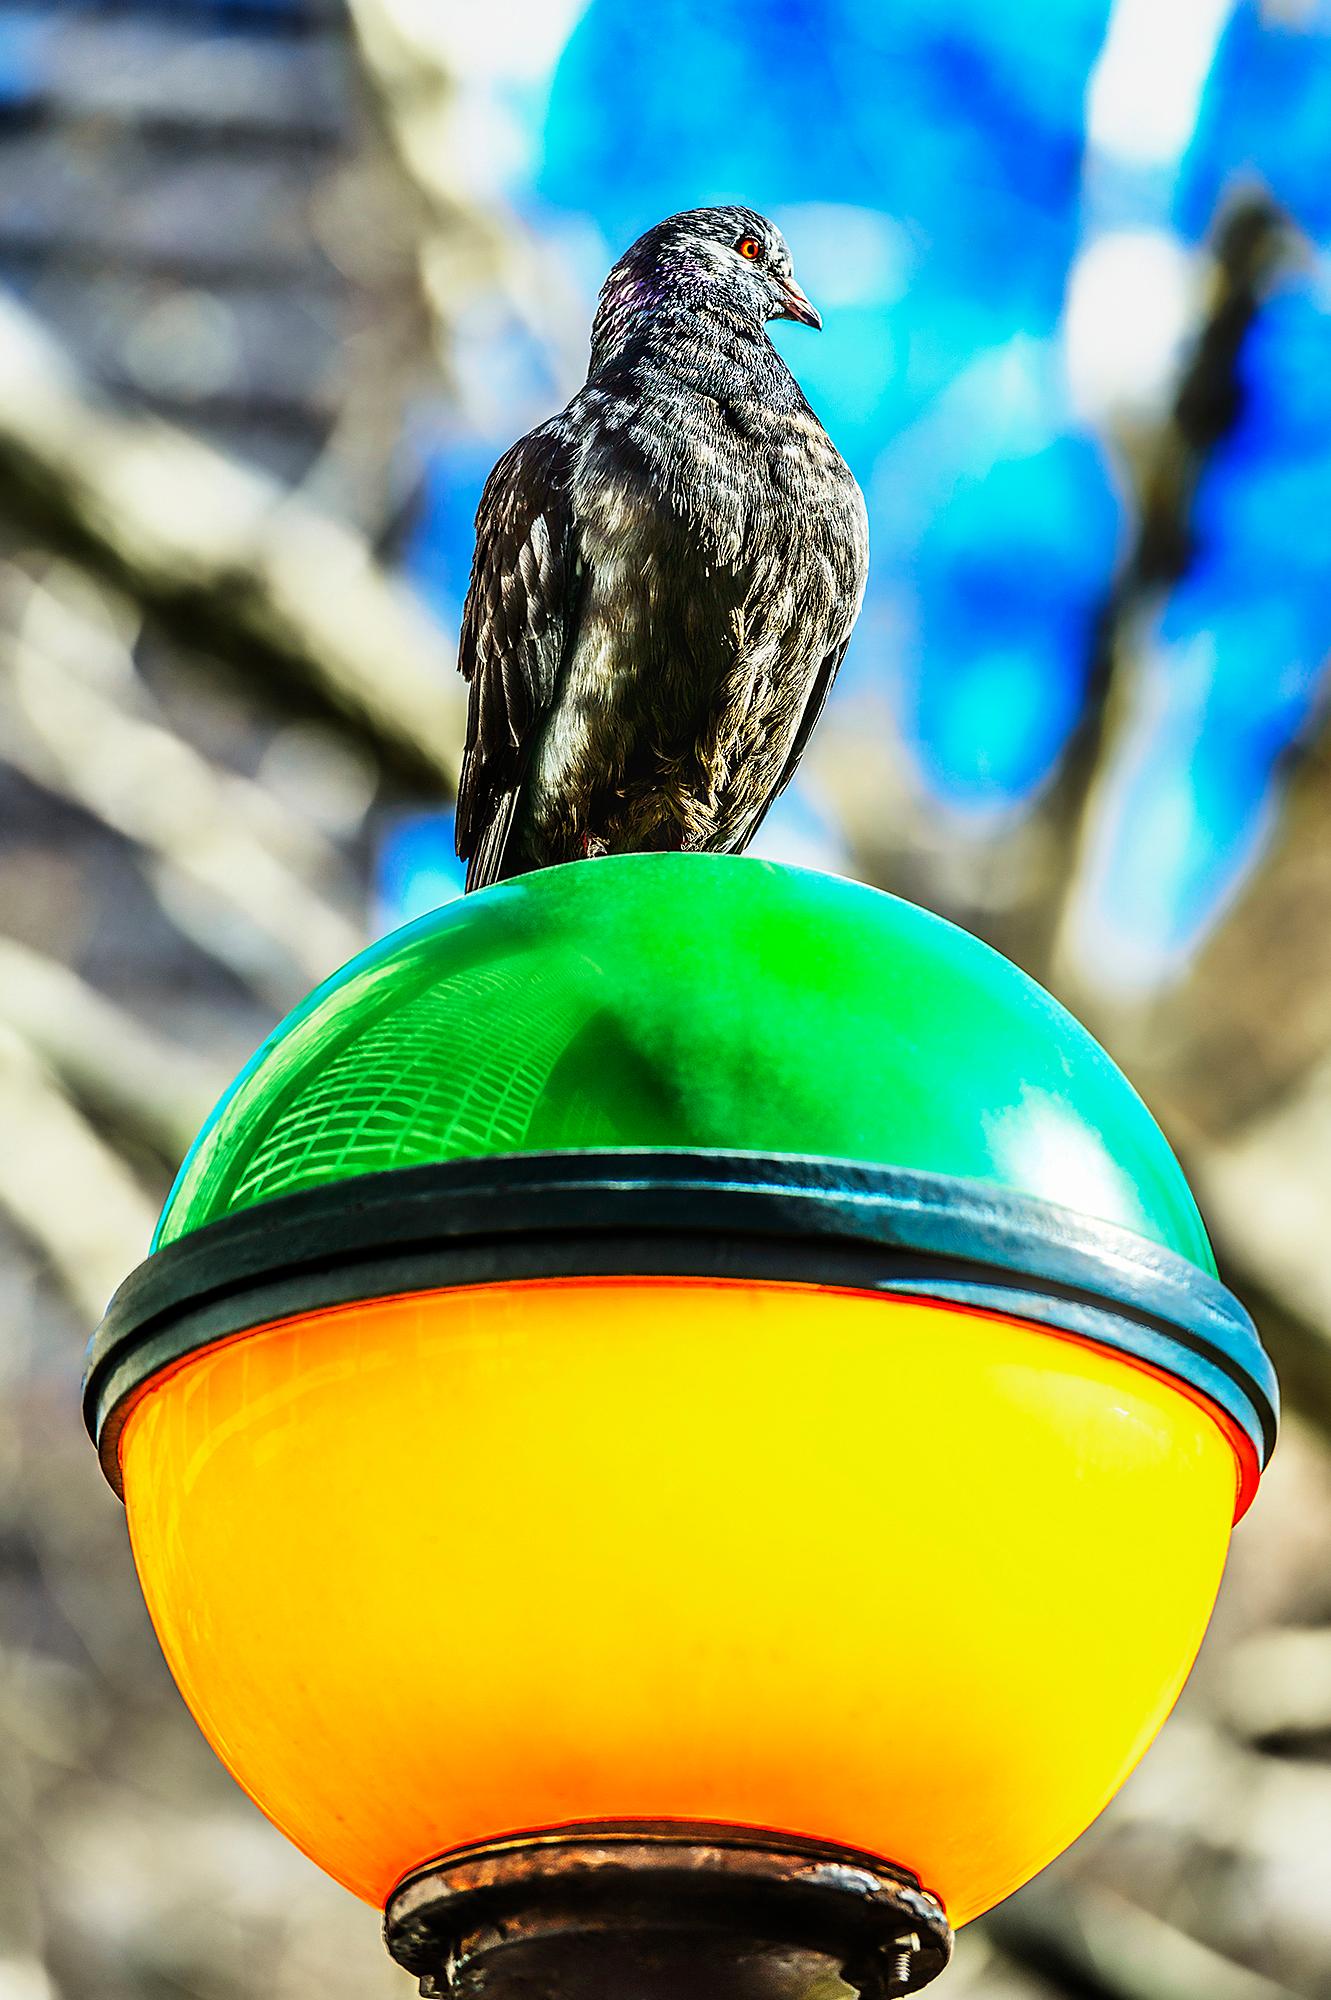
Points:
x=466 y=250
x=1253 y=241
x=1102 y=1946
x=1266 y=1192
x=139 y=1086
x=1277 y=1687
x=208 y=834
x=224 y=563
x=67 y=1190
x=1251 y=1018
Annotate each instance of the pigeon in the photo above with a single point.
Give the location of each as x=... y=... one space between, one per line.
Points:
x=666 y=574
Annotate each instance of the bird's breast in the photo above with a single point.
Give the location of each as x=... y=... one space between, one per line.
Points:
x=671 y=486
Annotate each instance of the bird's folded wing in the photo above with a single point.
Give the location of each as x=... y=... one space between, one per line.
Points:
x=813 y=708
x=515 y=629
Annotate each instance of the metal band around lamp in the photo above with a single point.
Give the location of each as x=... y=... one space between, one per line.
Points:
x=701 y=1214
x=722 y=1912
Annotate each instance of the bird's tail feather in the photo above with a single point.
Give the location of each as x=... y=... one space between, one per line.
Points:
x=486 y=862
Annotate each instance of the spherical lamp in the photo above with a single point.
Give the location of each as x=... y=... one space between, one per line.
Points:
x=686 y=1405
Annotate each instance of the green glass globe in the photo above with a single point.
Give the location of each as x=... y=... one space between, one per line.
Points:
x=691 y=1001
x=687 y=1064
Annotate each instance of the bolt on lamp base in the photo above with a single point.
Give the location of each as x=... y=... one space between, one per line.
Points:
x=664 y=1911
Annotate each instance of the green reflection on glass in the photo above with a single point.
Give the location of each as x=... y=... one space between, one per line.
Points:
x=693 y=1001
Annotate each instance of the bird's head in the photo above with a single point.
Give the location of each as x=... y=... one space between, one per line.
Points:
x=729 y=260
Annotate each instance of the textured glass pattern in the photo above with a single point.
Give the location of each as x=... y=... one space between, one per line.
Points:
x=394 y=1094
x=692 y=1001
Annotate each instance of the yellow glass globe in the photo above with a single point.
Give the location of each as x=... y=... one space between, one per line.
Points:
x=921 y=1580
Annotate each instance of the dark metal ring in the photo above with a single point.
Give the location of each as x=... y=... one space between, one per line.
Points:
x=664 y=1214
x=662 y=1908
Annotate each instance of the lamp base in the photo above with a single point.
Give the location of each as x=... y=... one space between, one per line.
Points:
x=664 y=1910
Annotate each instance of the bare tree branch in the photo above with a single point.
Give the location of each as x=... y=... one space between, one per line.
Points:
x=64 y=1187
x=1266 y=1194
x=1252 y=1016
x=466 y=250
x=141 y=1086
x=208 y=835
x=1276 y=1687
x=1103 y=1945
x=1252 y=242
x=225 y=564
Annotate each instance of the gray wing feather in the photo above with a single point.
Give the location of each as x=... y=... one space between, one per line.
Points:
x=813 y=708
x=515 y=636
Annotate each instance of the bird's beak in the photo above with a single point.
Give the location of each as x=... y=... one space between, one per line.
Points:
x=797 y=306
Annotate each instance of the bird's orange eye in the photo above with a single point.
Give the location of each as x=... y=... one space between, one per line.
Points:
x=749 y=246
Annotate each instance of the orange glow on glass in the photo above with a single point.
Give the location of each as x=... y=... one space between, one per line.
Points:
x=435 y=1568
